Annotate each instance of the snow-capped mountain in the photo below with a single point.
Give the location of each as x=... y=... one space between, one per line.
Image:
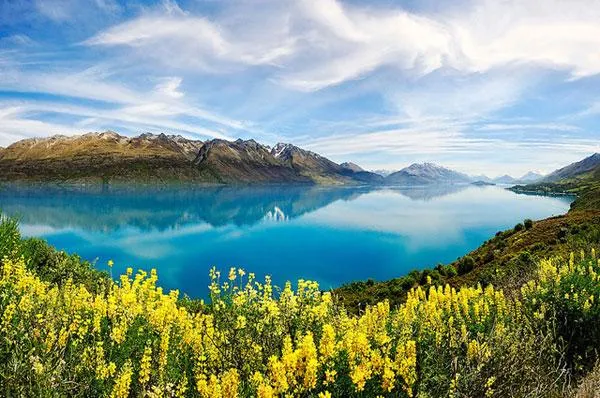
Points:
x=425 y=174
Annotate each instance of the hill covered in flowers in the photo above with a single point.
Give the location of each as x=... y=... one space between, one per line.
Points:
x=68 y=330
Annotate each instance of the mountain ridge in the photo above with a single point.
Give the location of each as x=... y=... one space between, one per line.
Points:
x=159 y=158
x=575 y=170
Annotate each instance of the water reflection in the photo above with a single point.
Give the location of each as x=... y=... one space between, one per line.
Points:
x=332 y=235
x=146 y=209
x=149 y=208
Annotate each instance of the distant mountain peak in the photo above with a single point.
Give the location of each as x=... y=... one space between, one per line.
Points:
x=426 y=173
x=531 y=176
x=283 y=149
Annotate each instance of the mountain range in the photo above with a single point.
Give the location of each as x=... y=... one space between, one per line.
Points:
x=162 y=158
x=112 y=157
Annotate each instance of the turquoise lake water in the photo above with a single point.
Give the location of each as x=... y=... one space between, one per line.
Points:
x=331 y=235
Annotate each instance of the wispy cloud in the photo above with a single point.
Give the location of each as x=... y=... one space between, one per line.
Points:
x=320 y=43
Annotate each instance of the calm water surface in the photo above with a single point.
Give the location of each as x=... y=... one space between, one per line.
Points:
x=331 y=235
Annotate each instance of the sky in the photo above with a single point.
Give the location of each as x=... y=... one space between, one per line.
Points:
x=481 y=86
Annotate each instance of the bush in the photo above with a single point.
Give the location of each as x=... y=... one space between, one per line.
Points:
x=450 y=271
x=562 y=233
x=466 y=264
x=518 y=227
x=569 y=295
x=59 y=267
x=528 y=223
x=10 y=236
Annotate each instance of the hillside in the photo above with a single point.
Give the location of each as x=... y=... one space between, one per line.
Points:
x=319 y=168
x=426 y=174
x=580 y=178
x=110 y=157
x=578 y=170
x=100 y=157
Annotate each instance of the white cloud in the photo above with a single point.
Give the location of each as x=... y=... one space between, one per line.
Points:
x=192 y=43
x=20 y=121
x=319 y=43
x=14 y=127
x=164 y=101
x=528 y=127
x=169 y=86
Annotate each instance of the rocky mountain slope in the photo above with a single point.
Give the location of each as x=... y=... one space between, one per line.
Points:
x=244 y=161
x=575 y=170
x=100 y=156
x=426 y=174
x=110 y=157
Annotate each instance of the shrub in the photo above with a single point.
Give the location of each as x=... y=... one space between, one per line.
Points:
x=59 y=267
x=569 y=295
x=10 y=236
x=450 y=271
x=562 y=233
x=518 y=227
x=528 y=223
x=466 y=264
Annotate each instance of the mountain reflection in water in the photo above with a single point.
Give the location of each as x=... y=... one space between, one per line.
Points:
x=330 y=234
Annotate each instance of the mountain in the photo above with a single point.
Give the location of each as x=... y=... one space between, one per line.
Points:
x=505 y=179
x=482 y=178
x=110 y=157
x=531 y=177
x=108 y=143
x=575 y=170
x=243 y=162
x=319 y=168
x=352 y=166
x=307 y=163
x=100 y=157
x=426 y=174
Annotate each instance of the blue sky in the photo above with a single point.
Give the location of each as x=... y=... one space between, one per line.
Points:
x=483 y=86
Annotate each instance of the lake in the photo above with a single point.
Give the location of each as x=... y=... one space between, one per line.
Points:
x=331 y=235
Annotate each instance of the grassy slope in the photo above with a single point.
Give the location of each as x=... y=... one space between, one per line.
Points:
x=507 y=259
